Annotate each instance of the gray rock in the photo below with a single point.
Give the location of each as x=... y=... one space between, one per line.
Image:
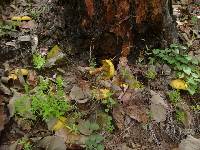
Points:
x=79 y=94
x=158 y=107
x=158 y=112
x=190 y=143
x=166 y=69
x=5 y=90
x=25 y=38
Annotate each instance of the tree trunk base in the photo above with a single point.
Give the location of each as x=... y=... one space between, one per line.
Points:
x=113 y=28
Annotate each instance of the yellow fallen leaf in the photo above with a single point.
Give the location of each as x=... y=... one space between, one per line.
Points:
x=179 y=84
x=101 y=93
x=16 y=18
x=59 y=124
x=23 y=72
x=12 y=76
x=26 y=18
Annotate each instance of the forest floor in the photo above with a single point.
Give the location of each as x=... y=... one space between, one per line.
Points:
x=54 y=97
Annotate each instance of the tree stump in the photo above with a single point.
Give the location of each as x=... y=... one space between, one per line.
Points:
x=119 y=27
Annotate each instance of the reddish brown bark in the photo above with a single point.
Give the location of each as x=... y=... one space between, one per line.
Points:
x=127 y=20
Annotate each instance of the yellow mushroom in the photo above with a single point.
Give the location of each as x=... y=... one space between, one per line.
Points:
x=26 y=18
x=179 y=84
x=16 y=18
x=107 y=68
x=12 y=76
x=19 y=18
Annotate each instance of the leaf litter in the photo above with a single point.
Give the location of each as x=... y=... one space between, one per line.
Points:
x=132 y=116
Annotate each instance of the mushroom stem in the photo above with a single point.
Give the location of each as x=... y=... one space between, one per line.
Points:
x=97 y=70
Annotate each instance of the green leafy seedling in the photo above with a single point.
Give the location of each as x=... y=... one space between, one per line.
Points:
x=94 y=142
x=180 y=116
x=38 y=61
x=186 y=66
x=174 y=96
x=25 y=143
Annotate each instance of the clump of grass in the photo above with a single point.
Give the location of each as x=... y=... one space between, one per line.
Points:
x=174 y=96
x=180 y=116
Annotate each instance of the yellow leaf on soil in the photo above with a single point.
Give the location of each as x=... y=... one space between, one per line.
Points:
x=101 y=93
x=59 y=124
x=12 y=76
x=23 y=72
x=179 y=84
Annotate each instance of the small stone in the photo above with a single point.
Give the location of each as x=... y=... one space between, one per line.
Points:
x=25 y=38
x=5 y=90
x=77 y=93
x=166 y=70
x=158 y=112
x=158 y=107
x=190 y=143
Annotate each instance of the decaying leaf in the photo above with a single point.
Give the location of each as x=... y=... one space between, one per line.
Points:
x=119 y=116
x=11 y=105
x=179 y=84
x=32 y=78
x=54 y=55
x=60 y=123
x=3 y=117
x=52 y=143
x=71 y=138
x=137 y=113
x=53 y=52
x=14 y=74
x=107 y=69
x=100 y=94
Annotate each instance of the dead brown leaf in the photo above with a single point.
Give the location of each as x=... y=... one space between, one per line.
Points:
x=119 y=115
x=137 y=113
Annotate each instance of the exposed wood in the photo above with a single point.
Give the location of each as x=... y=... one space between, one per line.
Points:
x=125 y=21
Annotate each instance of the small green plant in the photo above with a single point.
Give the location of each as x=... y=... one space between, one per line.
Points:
x=151 y=74
x=7 y=28
x=174 y=96
x=129 y=77
x=109 y=102
x=194 y=20
x=94 y=142
x=43 y=102
x=92 y=62
x=25 y=143
x=38 y=61
x=186 y=66
x=49 y=104
x=196 y=107
x=105 y=121
x=180 y=115
x=109 y=125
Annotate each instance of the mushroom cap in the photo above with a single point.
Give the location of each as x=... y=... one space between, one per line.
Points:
x=108 y=67
x=179 y=84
